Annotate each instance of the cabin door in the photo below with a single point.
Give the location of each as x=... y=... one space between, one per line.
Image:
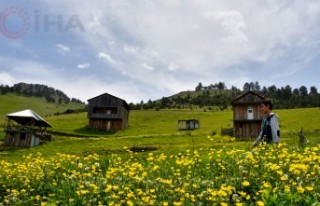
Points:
x=250 y=113
x=108 y=125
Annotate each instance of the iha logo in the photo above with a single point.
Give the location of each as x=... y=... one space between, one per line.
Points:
x=15 y=22
x=20 y=16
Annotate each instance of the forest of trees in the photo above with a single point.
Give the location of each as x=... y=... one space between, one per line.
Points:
x=219 y=96
x=38 y=90
x=287 y=97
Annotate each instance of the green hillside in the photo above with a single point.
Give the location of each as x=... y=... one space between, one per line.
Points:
x=219 y=97
x=12 y=103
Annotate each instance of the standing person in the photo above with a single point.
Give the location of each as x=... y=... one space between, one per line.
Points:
x=270 y=131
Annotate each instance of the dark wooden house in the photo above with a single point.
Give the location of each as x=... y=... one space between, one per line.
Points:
x=247 y=115
x=107 y=112
x=25 y=129
x=189 y=124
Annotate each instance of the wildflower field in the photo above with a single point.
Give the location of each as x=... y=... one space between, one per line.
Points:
x=266 y=175
x=198 y=167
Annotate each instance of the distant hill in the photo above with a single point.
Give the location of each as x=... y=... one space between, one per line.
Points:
x=218 y=96
x=38 y=90
x=208 y=99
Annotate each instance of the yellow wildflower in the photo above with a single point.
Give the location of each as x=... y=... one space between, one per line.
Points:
x=260 y=203
x=309 y=188
x=245 y=183
x=300 y=189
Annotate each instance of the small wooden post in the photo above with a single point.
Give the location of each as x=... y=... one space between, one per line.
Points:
x=302 y=139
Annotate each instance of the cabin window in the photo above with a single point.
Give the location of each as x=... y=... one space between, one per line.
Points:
x=250 y=113
x=23 y=136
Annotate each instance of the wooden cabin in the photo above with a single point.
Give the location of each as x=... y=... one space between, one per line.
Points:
x=247 y=115
x=25 y=129
x=107 y=112
x=189 y=124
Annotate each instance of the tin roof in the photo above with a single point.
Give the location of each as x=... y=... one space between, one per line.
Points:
x=28 y=117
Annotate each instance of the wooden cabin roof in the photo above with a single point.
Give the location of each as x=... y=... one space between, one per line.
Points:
x=125 y=104
x=253 y=98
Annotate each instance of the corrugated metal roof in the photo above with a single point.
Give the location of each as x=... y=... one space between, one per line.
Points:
x=27 y=117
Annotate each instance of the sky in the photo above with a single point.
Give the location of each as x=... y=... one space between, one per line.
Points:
x=140 y=50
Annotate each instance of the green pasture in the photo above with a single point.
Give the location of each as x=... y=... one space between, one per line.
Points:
x=151 y=122
x=159 y=129
x=146 y=122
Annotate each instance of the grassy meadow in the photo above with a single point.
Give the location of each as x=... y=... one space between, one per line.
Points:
x=198 y=167
x=146 y=122
x=159 y=129
x=151 y=122
x=10 y=103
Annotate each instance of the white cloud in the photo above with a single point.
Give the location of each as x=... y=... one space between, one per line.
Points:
x=107 y=57
x=20 y=68
x=233 y=22
x=205 y=38
x=84 y=66
x=63 y=49
x=6 y=79
x=147 y=67
x=130 y=49
x=172 y=33
x=172 y=67
x=94 y=87
x=206 y=41
x=73 y=85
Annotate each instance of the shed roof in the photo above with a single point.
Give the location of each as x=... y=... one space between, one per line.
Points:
x=27 y=117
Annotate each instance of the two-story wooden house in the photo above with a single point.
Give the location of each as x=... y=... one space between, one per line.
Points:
x=107 y=112
x=247 y=115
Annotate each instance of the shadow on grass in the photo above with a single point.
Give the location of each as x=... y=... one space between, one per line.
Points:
x=121 y=151
x=85 y=131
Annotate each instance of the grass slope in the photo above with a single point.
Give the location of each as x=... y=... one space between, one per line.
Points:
x=12 y=103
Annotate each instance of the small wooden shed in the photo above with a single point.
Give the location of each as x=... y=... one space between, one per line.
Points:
x=189 y=124
x=107 y=112
x=247 y=115
x=25 y=129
